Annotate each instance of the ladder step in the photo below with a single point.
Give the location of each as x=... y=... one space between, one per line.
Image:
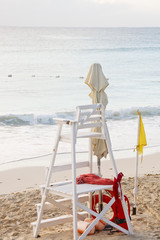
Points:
x=57 y=220
x=54 y=221
x=48 y=205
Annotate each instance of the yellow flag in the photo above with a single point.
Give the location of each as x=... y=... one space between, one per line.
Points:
x=142 y=136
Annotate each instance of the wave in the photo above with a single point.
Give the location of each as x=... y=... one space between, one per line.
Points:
x=33 y=119
x=47 y=119
x=131 y=113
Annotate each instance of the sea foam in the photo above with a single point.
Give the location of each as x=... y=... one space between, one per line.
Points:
x=48 y=119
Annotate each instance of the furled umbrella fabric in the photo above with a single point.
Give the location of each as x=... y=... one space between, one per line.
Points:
x=98 y=83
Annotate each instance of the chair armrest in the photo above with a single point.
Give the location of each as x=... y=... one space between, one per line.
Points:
x=64 y=121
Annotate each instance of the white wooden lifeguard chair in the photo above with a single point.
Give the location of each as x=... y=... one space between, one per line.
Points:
x=87 y=118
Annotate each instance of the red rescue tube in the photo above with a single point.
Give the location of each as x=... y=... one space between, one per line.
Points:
x=118 y=213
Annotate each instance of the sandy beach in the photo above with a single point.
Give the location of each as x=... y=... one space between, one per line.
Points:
x=19 y=192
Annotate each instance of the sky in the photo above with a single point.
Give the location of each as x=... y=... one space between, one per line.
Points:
x=80 y=13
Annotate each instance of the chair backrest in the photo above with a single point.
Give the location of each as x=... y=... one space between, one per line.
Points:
x=90 y=116
x=87 y=117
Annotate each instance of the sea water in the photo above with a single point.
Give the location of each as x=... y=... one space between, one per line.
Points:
x=42 y=74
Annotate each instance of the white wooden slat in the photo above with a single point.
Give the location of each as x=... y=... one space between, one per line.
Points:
x=88 y=114
x=81 y=198
x=57 y=183
x=60 y=183
x=92 y=119
x=91 y=135
x=59 y=193
x=48 y=205
x=66 y=138
x=81 y=188
x=85 y=113
x=73 y=186
x=53 y=221
x=69 y=166
x=89 y=119
x=58 y=220
x=91 y=106
x=90 y=125
x=84 y=134
x=54 y=184
x=63 y=207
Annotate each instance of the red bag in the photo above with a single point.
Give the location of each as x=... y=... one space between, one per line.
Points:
x=91 y=178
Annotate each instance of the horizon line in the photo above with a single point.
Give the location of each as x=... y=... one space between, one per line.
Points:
x=78 y=26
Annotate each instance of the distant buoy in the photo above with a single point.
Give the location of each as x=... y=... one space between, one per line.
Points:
x=81 y=77
x=57 y=76
x=10 y=75
x=33 y=75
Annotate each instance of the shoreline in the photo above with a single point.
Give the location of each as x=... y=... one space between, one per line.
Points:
x=30 y=177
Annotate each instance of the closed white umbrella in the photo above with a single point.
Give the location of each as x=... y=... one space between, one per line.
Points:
x=98 y=83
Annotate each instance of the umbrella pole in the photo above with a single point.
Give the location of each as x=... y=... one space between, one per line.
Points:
x=100 y=192
x=99 y=167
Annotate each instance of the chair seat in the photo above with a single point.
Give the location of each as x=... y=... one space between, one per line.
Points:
x=81 y=188
x=90 y=134
x=67 y=137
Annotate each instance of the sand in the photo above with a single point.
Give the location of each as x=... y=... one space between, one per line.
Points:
x=19 y=194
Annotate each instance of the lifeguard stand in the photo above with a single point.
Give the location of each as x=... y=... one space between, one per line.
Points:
x=87 y=118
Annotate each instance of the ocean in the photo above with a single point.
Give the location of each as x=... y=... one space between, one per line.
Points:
x=42 y=74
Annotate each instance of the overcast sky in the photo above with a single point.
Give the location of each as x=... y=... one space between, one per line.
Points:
x=80 y=13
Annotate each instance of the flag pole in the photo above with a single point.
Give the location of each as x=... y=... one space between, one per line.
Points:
x=137 y=159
